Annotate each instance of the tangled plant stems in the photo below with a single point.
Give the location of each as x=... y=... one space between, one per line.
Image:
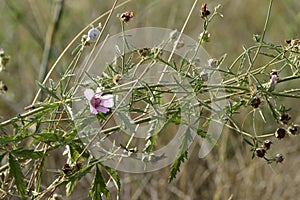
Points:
x=49 y=125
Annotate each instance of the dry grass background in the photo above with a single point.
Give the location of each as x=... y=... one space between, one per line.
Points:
x=228 y=171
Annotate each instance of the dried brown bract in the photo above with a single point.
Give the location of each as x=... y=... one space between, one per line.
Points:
x=116 y=79
x=204 y=11
x=255 y=102
x=280 y=133
x=260 y=152
x=126 y=16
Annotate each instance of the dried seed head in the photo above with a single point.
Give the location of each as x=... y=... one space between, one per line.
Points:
x=204 y=76
x=292 y=129
x=280 y=133
x=255 y=102
x=293 y=44
x=156 y=51
x=274 y=72
x=179 y=44
x=144 y=52
x=76 y=167
x=204 y=11
x=212 y=62
x=84 y=40
x=287 y=41
x=126 y=16
x=204 y=36
x=67 y=169
x=260 y=152
x=3 y=60
x=116 y=79
x=3 y=87
x=285 y=118
x=267 y=144
x=279 y=158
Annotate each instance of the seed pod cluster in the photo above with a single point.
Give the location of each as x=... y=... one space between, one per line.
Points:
x=261 y=151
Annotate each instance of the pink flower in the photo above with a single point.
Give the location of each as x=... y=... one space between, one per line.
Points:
x=273 y=80
x=99 y=103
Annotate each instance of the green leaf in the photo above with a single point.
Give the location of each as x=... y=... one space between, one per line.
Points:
x=182 y=154
x=98 y=186
x=70 y=187
x=48 y=91
x=2 y=156
x=73 y=178
x=16 y=172
x=27 y=154
x=175 y=167
x=201 y=133
x=114 y=175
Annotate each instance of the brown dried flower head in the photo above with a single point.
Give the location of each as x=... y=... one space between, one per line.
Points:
x=260 y=152
x=126 y=16
x=204 y=11
x=279 y=158
x=285 y=118
x=3 y=87
x=267 y=144
x=4 y=59
x=292 y=129
x=255 y=102
x=280 y=133
x=117 y=79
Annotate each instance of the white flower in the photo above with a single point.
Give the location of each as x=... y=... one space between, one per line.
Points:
x=93 y=35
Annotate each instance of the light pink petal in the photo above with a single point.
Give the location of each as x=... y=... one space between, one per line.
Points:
x=89 y=93
x=103 y=109
x=98 y=95
x=107 y=101
x=93 y=110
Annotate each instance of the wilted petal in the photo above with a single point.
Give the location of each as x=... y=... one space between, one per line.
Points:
x=89 y=94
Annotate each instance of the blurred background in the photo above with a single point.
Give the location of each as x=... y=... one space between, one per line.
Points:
x=228 y=171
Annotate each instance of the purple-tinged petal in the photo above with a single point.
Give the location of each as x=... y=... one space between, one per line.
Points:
x=89 y=94
x=103 y=109
x=273 y=80
x=107 y=101
x=93 y=110
x=98 y=95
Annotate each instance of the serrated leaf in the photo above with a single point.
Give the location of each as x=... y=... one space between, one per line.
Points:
x=48 y=91
x=69 y=111
x=114 y=175
x=16 y=172
x=70 y=187
x=73 y=178
x=98 y=186
x=182 y=154
x=72 y=153
x=12 y=139
x=175 y=167
x=48 y=137
x=27 y=154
